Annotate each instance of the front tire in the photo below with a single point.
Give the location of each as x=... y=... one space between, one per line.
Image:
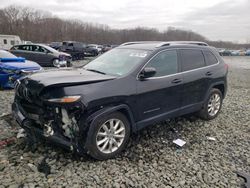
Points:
x=108 y=136
x=55 y=63
x=212 y=106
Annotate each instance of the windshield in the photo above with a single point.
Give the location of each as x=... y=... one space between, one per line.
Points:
x=117 y=61
x=5 y=54
x=49 y=48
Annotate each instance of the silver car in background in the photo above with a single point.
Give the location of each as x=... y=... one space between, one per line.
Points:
x=42 y=54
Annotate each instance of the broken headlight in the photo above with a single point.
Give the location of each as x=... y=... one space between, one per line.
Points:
x=66 y=99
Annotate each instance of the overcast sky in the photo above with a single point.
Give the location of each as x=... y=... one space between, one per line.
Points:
x=215 y=19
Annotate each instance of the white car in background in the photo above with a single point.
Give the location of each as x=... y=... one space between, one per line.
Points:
x=96 y=46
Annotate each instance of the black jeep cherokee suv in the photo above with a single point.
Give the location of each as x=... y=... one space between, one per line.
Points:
x=96 y=108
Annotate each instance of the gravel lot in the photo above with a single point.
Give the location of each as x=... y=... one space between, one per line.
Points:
x=151 y=159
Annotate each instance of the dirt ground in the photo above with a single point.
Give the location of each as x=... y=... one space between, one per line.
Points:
x=151 y=159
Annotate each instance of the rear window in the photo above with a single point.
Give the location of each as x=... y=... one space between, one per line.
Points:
x=210 y=58
x=192 y=59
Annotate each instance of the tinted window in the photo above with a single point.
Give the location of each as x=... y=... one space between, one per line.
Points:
x=12 y=42
x=5 y=41
x=39 y=49
x=210 y=58
x=25 y=47
x=192 y=59
x=165 y=63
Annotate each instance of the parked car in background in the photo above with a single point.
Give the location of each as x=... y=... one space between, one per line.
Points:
x=225 y=52
x=96 y=46
x=106 y=47
x=56 y=45
x=114 y=46
x=91 y=51
x=95 y=109
x=235 y=52
x=13 y=68
x=27 y=42
x=238 y=52
x=248 y=52
x=242 y=52
x=42 y=54
x=7 y=41
x=75 y=49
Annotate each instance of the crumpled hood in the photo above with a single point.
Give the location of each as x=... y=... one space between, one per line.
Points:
x=67 y=77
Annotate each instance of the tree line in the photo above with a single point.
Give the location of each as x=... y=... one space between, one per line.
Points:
x=42 y=27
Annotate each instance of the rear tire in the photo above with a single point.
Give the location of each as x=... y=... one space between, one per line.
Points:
x=108 y=136
x=212 y=105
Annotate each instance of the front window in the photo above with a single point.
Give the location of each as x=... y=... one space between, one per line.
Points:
x=118 y=61
x=165 y=63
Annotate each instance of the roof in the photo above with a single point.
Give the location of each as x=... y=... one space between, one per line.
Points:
x=153 y=45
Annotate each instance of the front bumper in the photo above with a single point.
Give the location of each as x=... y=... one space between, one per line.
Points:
x=36 y=132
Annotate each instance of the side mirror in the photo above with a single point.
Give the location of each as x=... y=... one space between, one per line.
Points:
x=147 y=72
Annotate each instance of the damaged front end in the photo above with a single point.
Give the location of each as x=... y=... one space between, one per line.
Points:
x=57 y=120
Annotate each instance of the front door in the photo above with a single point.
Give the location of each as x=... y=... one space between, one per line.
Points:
x=160 y=95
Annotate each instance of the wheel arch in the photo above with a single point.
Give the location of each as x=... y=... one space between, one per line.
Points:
x=122 y=108
x=221 y=85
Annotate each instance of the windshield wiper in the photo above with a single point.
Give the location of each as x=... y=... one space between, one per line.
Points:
x=93 y=70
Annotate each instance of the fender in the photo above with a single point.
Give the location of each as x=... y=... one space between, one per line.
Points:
x=107 y=110
x=214 y=84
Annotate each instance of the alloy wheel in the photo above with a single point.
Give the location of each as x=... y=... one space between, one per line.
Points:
x=214 y=104
x=110 y=136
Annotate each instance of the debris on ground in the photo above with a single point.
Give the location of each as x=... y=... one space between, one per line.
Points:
x=44 y=167
x=21 y=134
x=246 y=178
x=32 y=167
x=211 y=138
x=7 y=142
x=179 y=142
x=3 y=114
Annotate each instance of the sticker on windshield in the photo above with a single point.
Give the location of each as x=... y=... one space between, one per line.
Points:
x=137 y=54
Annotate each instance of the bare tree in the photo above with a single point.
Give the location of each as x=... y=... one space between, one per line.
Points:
x=40 y=26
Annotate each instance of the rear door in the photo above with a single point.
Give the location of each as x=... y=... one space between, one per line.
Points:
x=160 y=95
x=195 y=78
x=22 y=51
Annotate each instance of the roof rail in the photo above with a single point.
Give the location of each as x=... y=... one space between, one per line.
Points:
x=138 y=42
x=181 y=42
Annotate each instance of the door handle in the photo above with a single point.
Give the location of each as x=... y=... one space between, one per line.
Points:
x=209 y=73
x=176 y=81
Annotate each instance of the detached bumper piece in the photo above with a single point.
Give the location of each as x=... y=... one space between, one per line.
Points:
x=45 y=130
